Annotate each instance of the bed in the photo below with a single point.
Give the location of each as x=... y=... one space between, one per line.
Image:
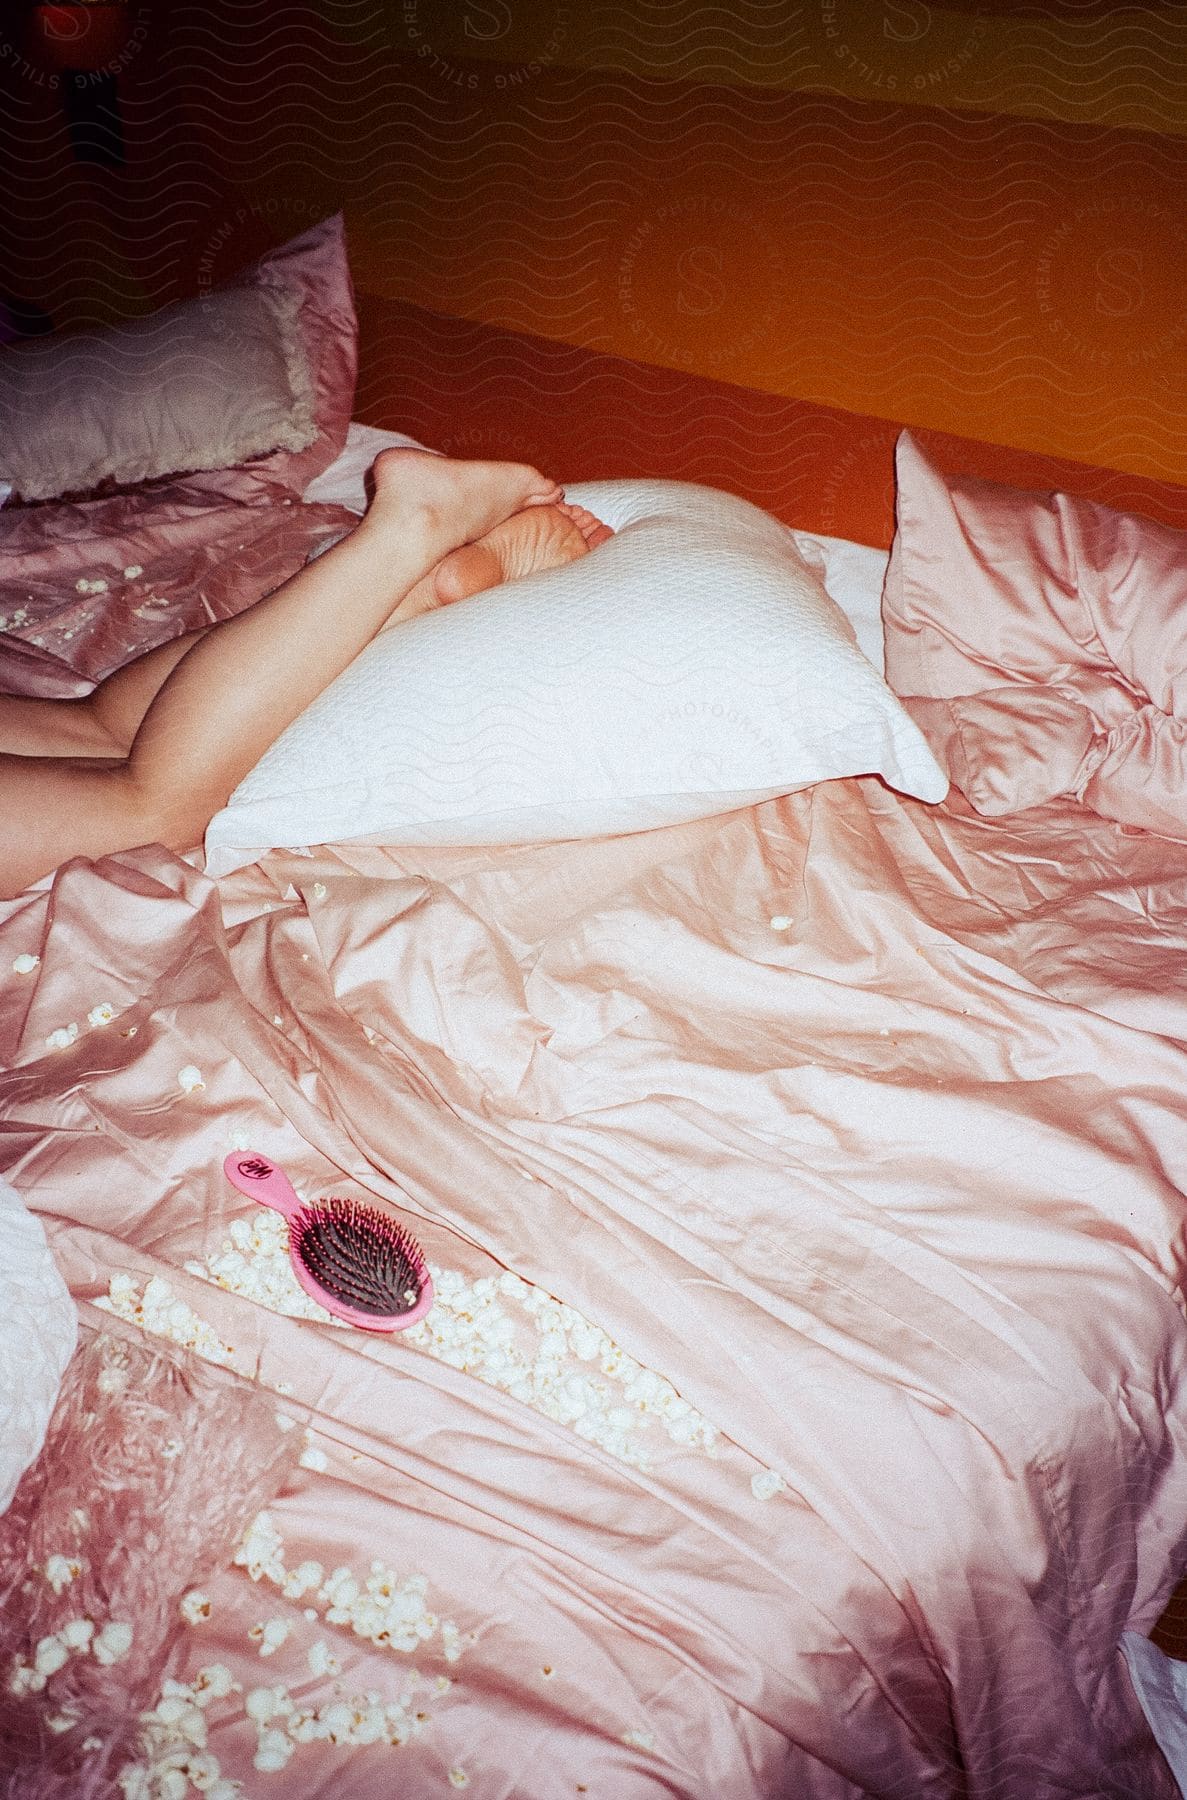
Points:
x=801 y=1411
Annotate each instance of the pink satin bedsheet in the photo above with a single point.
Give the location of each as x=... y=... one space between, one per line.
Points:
x=860 y=1123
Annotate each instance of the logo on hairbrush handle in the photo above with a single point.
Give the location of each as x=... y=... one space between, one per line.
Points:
x=254 y=1168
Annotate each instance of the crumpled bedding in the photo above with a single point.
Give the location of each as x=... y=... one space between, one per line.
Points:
x=802 y=1409
x=87 y=585
x=1040 y=642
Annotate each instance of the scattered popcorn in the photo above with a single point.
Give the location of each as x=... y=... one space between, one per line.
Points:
x=470 y=1330
x=458 y=1778
x=300 y=1580
x=322 y=1660
x=781 y=922
x=25 y=1680
x=25 y=963
x=195 y=1606
x=178 y=1709
x=204 y=1772
x=173 y=1743
x=214 y=1682
x=358 y=1719
x=573 y=1374
x=172 y=1448
x=97 y=586
x=132 y=571
x=639 y=1740
x=319 y=890
x=313 y=1458
x=50 y=1655
x=260 y=1550
x=275 y=1749
x=160 y=1312
x=60 y=1571
x=385 y=1609
x=62 y=1038
x=113 y=1642
x=189 y=1079
x=63 y=1721
x=270 y=1635
x=76 y=1634
x=264 y=1703
x=102 y=1014
x=254 y=1263
x=766 y=1484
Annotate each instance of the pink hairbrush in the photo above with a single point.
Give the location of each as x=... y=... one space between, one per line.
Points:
x=356 y=1261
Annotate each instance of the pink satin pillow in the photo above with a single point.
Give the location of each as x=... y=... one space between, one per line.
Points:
x=1040 y=641
x=315 y=271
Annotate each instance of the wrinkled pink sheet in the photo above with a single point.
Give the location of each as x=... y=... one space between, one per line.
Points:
x=87 y=585
x=859 y=1122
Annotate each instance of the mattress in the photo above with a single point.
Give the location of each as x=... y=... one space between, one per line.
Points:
x=802 y=1408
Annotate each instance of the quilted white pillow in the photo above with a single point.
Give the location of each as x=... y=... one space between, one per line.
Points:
x=690 y=665
x=38 y=1332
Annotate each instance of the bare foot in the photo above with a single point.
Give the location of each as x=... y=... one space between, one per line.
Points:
x=591 y=529
x=546 y=537
x=449 y=503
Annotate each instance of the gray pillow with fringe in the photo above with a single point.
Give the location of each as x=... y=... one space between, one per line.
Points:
x=203 y=384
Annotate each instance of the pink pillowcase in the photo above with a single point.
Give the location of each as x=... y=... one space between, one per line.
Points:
x=1040 y=641
x=315 y=270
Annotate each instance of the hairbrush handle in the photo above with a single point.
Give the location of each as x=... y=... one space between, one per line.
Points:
x=261 y=1180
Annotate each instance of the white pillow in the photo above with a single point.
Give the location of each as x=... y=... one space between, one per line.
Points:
x=38 y=1332
x=690 y=665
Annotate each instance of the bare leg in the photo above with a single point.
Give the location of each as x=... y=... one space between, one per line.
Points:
x=245 y=680
x=104 y=722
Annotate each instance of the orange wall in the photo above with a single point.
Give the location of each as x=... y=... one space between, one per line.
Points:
x=970 y=218
x=998 y=277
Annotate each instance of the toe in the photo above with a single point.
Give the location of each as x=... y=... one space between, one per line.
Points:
x=591 y=528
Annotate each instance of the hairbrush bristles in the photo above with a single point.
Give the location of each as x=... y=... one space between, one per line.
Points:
x=353 y=1259
x=360 y=1255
